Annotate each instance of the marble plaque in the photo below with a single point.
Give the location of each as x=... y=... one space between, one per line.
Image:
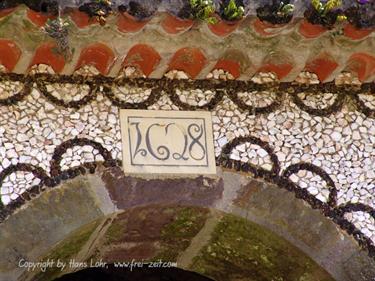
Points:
x=172 y=142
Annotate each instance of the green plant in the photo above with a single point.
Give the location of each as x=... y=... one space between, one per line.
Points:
x=103 y=11
x=203 y=10
x=233 y=12
x=285 y=9
x=58 y=30
x=324 y=8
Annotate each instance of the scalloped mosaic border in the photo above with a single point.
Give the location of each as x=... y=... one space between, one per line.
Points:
x=168 y=87
x=329 y=209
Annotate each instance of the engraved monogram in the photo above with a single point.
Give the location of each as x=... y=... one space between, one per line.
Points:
x=173 y=142
x=192 y=138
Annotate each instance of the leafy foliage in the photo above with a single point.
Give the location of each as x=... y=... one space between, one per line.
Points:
x=100 y=9
x=203 y=10
x=276 y=12
x=58 y=30
x=329 y=11
x=285 y=9
x=324 y=8
x=233 y=11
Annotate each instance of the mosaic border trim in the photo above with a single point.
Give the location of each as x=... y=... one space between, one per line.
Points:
x=164 y=86
x=329 y=209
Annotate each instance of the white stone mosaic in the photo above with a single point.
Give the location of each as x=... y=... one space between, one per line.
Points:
x=78 y=155
x=31 y=130
x=252 y=153
x=68 y=92
x=15 y=184
x=364 y=222
x=306 y=77
x=264 y=77
x=342 y=144
x=317 y=100
x=314 y=184
x=9 y=88
x=164 y=103
x=41 y=68
x=195 y=97
x=347 y=78
x=131 y=72
x=131 y=94
x=257 y=99
x=220 y=74
x=87 y=70
x=368 y=100
x=176 y=74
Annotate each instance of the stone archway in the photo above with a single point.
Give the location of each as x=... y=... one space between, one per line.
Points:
x=215 y=244
x=91 y=204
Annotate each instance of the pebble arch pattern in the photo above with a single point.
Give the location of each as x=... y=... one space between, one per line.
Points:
x=160 y=87
x=164 y=86
x=329 y=209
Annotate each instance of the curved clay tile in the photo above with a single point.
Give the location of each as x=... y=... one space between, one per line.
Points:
x=143 y=56
x=280 y=63
x=362 y=64
x=323 y=66
x=98 y=55
x=47 y=54
x=128 y=23
x=267 y=29
x=232 y=66
x=189 y=60
x=233 y=61
x=174 y=25
x=280 y=69
x=355 y=33
x=223 y=28
x=81 y=19
x=310 y=30
x=38 y=19
x=9 y=54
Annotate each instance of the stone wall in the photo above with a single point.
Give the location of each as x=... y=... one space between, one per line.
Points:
x=88 y=211
x=322 y=144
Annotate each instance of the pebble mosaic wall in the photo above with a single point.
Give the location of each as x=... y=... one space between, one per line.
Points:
x=316 y=141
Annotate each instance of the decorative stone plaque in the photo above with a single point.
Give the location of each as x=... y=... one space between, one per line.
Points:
x=173 y=142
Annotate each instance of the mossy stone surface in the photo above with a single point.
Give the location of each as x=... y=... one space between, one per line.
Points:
x=178 y=234
x=165 y=232
x=66 y=251
x=242 y=250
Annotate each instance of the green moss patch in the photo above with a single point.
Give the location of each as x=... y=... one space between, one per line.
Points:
x=114 y=232
x=177 y=235
x=241 y=250
x=171 y=231
x=66 y=250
